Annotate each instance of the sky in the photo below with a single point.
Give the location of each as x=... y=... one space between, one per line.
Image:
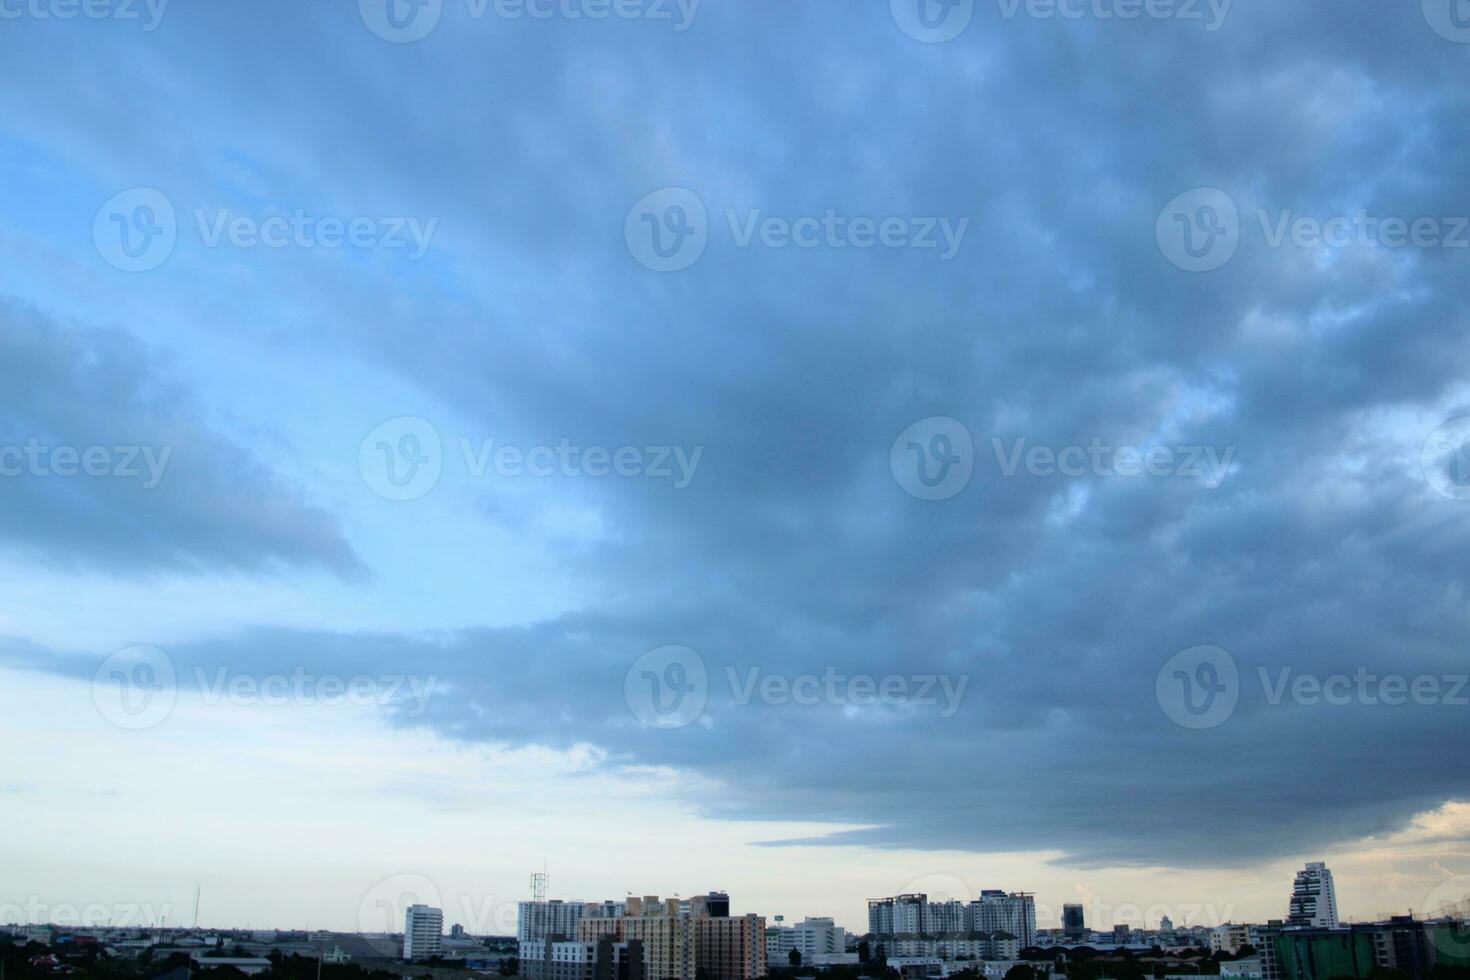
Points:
x=816 y=451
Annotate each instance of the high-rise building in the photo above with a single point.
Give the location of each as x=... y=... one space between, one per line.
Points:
x=542 y=920
x=560 y=959
x=1229 y=938
x=1015 y=913
x=1074 y=924
x=683 y=941
x=811 y=938
x=880 y=916
x=423 y=932
x=948 y=918
x=730 y=947
x=1313 y=898
x=910 y=915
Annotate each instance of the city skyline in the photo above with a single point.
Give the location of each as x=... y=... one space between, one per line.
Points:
x=384 y=904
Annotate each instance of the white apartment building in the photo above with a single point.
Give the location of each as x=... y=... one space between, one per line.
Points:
x=1313 y=898
x=541 y=920
x=947 y=918
x=812 y=937
x=423 y=932
x=880 y=916
x=1229 y=938
x=909 y=914
x=1015 y=913
x=818 y=940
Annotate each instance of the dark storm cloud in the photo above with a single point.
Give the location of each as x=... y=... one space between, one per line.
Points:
x=106 y=465
x=1060 y=321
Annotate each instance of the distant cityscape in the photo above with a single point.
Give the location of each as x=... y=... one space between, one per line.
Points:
x=910 y=936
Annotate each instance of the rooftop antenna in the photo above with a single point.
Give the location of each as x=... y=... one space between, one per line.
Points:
x=538 y=886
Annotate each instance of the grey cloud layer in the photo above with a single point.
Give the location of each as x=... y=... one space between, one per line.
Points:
x=1058 y=321
x=174 y=494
